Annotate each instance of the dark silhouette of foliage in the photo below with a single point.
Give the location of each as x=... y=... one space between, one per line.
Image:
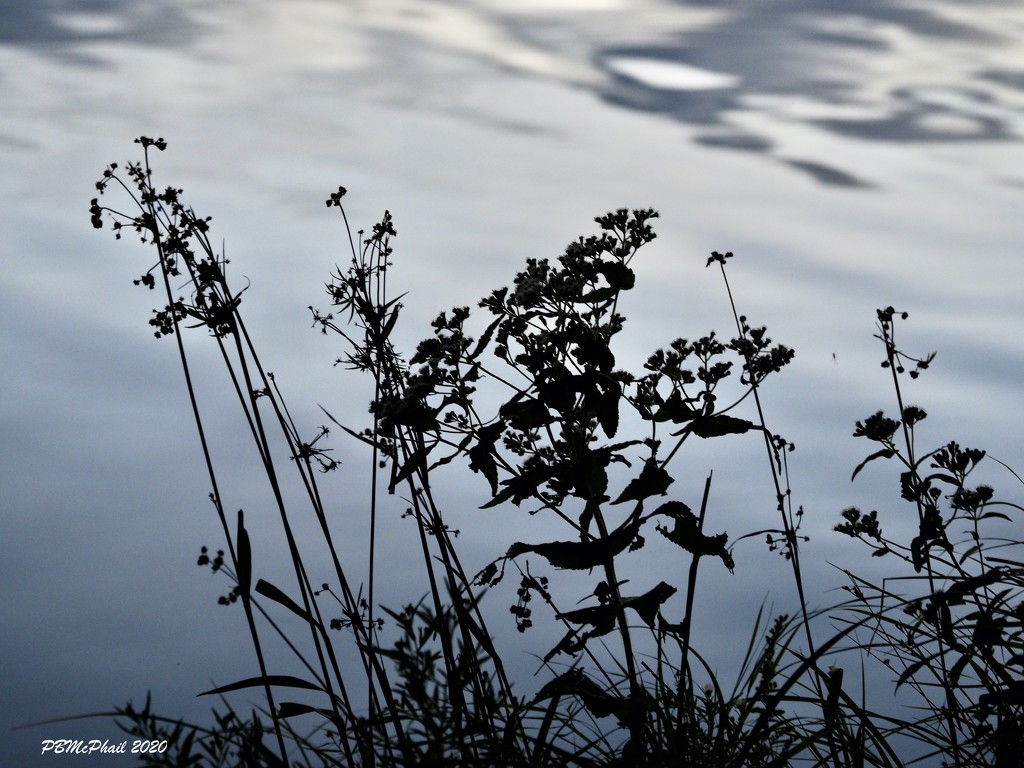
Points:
x=572 y=436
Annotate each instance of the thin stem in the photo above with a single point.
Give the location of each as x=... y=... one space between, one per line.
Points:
x=691 y=589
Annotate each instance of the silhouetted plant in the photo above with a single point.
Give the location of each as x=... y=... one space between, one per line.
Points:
x=533 y=400
x=958 y=642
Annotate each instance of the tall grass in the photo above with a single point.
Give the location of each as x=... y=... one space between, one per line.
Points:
x=530 y=399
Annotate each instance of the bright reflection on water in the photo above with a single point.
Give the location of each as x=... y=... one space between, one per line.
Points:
x=851 y=159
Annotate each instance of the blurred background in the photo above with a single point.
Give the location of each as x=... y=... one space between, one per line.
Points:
x=851 y=157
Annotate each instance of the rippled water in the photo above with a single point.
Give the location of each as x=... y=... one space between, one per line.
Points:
x=850 y=158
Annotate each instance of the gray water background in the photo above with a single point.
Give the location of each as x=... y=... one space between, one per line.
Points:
x=851 y=158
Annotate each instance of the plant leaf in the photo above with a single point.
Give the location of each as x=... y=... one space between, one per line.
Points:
x=570 y=644
x=647 y=604
x=388 y=326
x=885 y=453
x=676 y=410
x=416 y=460
x=718 y=425
x=912 y=670
x=268 y=590
x=606 y=407
x=583 y=555
x=525 y=413
x=507 y=493
x=602 y=617
x=485 y=339
x=244 y=555
x=286 y=681
x=598 y=295
x=618 y=275
x=687 y=534
x=599 y=702
x=653 y=480
x=481 y=453
x=1013 y=694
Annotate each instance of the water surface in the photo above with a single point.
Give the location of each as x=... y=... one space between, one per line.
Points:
x=851 y=159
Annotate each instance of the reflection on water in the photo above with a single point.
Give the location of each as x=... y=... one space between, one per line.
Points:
x=851 y=158
x=875 y=71
x=57 y=27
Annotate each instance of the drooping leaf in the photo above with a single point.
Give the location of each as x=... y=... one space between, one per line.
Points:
x=912 y=670
x=653 y=480
x=599 y=702
x=455 y=453
x=504 y=495
x=587 y=473
x=485 y=339
x=481 y=453
x=531 y=477
x=943 y=477
x=570 y=644
x=414 y=462
x=885 y=453
x=996 y=515
x=489 y=576
x=605 y=405
x=676 y=409
x=602 y=617
x=686 y=533
x=583 y=555
x=718 y=425
x=267 y=589
x=648 y=604
x=285 y=681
